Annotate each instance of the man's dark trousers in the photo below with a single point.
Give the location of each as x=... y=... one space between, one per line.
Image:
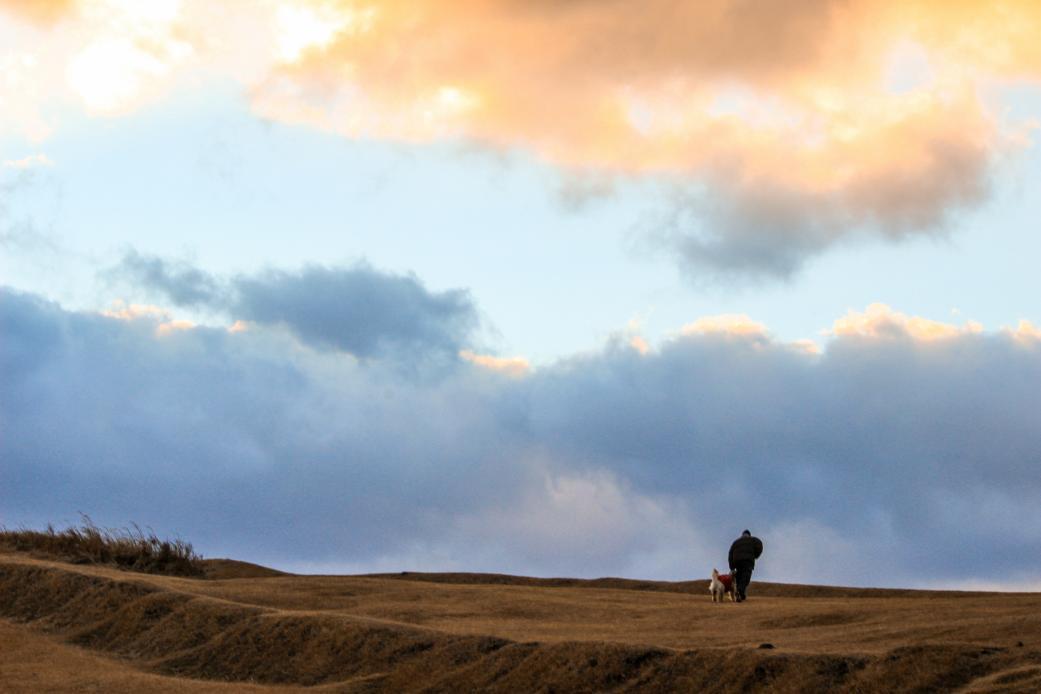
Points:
x=743 y=576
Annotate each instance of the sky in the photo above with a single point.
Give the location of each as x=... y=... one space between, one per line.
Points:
x=550 y=288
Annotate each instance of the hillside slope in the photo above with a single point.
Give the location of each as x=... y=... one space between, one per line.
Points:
x=439 y=633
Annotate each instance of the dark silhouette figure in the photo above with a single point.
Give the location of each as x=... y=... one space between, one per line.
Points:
x=743 y=553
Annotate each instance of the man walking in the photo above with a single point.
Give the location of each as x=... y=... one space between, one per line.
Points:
x=743 y=553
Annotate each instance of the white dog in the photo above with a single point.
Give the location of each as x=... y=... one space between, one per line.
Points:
x=722 y=585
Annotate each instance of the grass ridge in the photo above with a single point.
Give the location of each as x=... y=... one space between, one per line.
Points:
x=131 y=548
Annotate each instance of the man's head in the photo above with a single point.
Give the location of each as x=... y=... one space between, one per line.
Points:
x=747 y=533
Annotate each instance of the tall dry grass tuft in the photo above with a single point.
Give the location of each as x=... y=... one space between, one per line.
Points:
x=126 y=548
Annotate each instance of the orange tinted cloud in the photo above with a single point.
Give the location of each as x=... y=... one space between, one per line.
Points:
x=727 y=324
x=40 y=11
x=511 y=366
x=806 y=121
x=164 y=324
x=663 y=86
x=880 y=321
x=740 y=327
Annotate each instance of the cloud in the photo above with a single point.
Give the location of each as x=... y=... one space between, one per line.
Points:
x=1026 y=331
x=356 y=309
x=883 y=460
x=106 y=57
x=164 y=323
x=28 y=162
x=588 y=523
x=29 y=197
x=511 y=366
x=777 y=123
x=42 y=11
x=880 y=321
x=728 y=324
x=177 y=282
x=768 y=225
x=785 y=128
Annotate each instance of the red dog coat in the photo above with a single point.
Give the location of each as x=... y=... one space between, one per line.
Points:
x=728 y=582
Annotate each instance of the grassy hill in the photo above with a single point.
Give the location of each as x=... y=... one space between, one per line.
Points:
x=239 y=627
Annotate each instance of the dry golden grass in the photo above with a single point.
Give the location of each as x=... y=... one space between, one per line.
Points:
x=422 y=632
x=126 y=548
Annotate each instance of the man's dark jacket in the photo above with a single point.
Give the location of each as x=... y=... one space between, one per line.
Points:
x=745 y=548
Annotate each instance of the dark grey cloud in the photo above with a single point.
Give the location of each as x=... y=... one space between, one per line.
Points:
x=871 y=432
x=238 y=441
x=356 y=309
x=179 y=282
x=884 y=460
